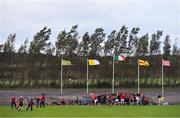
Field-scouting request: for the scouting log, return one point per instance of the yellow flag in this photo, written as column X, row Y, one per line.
column 66, row 63
column 143, row 63
column 93, row 62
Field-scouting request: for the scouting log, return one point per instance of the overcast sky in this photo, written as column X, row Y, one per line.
column 27, row 17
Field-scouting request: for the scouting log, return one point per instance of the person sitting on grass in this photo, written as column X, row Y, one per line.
column 123, row 97
column 77, row 101
column 110, row 100
column 127, row 99
column 160, row 99
column 30, row 104
column 20, row 104
column 117, row 101
column 131, row 99
column 62, row 101
column 94, row 98
column 13, row 101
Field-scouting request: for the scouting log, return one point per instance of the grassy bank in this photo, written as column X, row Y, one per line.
column 94, row 111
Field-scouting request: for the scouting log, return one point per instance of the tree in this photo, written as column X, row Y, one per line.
column 67, row 42
column 110, row 43
column 96, row 40
column 142, row 48
column 23, row 48
column 175, row 50
column 49, row 50
column 121, row 40
column 72, row 41
column 8, row 47
column 167, row 46
column 155, row 43
column 39, row 43
column 133, row 39
column 83, row 48
column 61, row 43
column 1, row 46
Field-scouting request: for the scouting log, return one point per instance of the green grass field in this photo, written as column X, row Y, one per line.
column 94, row 111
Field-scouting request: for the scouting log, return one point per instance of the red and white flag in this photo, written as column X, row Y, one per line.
column 166, row 63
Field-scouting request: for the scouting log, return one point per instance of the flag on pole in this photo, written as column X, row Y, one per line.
column 166, row 63
column 66, row 63
column 119, row 58
column 90, row 62
column 143, row 63
column 116, row 58
column 63, row 63
column 93, row 62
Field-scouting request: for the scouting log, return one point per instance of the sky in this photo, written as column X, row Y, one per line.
column 27, row 17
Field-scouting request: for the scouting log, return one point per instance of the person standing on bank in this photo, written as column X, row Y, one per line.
column 30, row 104
column 13, row 101
column 42, row 101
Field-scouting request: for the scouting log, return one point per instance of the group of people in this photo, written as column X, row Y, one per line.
column 110, row 99
column 18, row 104
column 121, row 99
column 94, row 99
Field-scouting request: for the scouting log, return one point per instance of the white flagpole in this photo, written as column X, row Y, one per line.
column 61, row 73
column 113, row 76
column 138, row 75
column 87, row 78
column 162, row 77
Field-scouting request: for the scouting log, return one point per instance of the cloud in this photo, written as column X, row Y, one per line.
column 26, row 17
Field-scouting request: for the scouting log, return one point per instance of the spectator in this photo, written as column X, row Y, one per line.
column 160, row 99
column 94, row 98
column 131, row 99
column 95, row 101
column 109, row 100
column 123, row 96
column 62, row 101
column 137, row 99
column 143, row 99
column 117, row 101
column 127, row 99
column 77, row 101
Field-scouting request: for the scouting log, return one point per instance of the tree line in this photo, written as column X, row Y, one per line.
column 69, row 43
column 36, row 63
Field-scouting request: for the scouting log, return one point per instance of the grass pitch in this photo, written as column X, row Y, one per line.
column 94, row 111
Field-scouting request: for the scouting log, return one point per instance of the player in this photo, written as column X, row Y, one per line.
column 37, row 101
column 13, row 101
column 30, row 104
column 20, row 104
column 42, row 101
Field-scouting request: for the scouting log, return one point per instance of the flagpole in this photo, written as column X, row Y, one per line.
column 138, row 75
column 162, row 77
column 61, row 73
column 87, row 78
column 113, row 76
